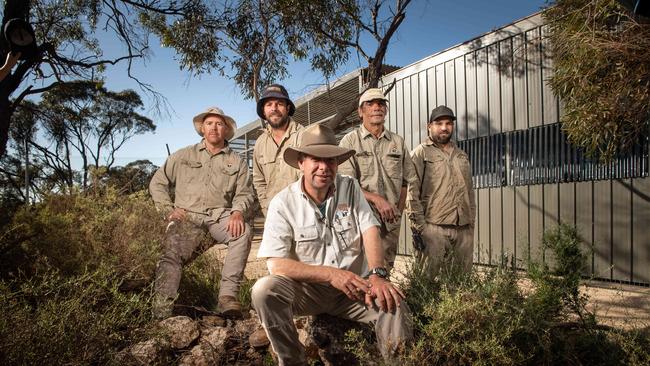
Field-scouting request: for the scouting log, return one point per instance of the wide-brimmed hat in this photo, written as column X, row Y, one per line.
column 372, row 94
column 318, row 141
column 198, row 121
column 441, row 111
column 274, row 91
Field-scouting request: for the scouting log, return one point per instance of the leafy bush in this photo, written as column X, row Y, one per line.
column 601, row 58
column 76, row 277
column 81, row 319
column 490, row 318
column 75, row 233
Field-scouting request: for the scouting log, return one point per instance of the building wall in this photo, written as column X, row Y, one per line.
column 527, row 178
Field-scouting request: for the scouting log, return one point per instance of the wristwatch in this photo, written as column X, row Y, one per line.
column 379, row 271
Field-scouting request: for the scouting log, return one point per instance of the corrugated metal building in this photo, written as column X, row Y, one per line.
column 527, row 177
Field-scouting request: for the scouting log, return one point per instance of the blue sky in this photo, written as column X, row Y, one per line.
column 429, row 27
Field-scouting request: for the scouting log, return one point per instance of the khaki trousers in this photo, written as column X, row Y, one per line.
column 389, row 241
column 278, row 299
column 182, row 245
column 448, row 245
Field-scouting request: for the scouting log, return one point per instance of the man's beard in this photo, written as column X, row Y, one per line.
column 442, row 140
column 279, row 124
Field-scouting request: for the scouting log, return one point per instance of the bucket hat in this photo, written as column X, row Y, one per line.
column 319, row 141
column 372, row 94
column 441, row 111
column 274, row 91
column 198, row 121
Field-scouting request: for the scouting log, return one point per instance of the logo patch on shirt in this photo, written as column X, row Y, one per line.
column 342, row 210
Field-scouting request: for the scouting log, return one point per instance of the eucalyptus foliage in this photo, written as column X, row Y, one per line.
column 601, row 54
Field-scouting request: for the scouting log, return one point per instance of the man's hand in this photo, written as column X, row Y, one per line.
column 388, row 296
column 178, row 214
column 352, row 285
column 236, row 224
column 418, row 242
column 387, row 210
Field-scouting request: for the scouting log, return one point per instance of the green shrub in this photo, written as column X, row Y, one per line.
column 82, row 319
column 490, row 318
column 73, row 233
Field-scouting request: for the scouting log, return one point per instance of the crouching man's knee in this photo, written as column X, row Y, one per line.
column 271, row 292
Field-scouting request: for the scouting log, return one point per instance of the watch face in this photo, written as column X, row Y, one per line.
column 381, row 272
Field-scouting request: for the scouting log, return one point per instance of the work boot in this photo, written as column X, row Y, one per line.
column 162, row 307
column 258, row 338
column 229, row 306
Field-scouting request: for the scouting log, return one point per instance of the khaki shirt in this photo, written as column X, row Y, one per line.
column 206, row 185
column 443, row 194
column 271, row 173
column 296, row 229
column 382, row 165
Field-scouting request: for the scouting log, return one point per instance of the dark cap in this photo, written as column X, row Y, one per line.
column 274, row 91
column 441, row 111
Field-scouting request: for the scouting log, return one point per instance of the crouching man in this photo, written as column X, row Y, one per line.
column 320, row 237
column 212, row 193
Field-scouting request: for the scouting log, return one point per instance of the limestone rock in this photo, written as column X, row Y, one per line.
column 181, row 330
column 210, row 350
column 149, row 352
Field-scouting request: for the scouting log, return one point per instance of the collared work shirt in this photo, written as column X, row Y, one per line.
column 271, row 173
column 206, row 185
column 443, row 193
column 382, row 165
column 296, row 229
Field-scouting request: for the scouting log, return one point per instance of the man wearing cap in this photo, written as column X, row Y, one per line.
column 382, row 165
column 212, row 193
column 270, row 172
column 441, row 203
column 320, row 237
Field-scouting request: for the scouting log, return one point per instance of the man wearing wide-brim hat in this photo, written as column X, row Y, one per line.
column 213, row 193
column 271, row 173
column 320, row 238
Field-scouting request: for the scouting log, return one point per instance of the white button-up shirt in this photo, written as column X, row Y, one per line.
column 296, row 229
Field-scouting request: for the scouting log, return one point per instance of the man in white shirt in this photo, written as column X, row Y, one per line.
column 320, row 237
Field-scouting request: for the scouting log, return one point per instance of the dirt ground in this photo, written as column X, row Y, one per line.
column 617, row 305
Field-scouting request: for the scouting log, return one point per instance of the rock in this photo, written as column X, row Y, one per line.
column 216, row 338
column 149, row 352
column 303, row 327
column 328, row 333
column 180, row 330
column 212, row 321
column 210, row 350
column 244, row 328
column 197, row 357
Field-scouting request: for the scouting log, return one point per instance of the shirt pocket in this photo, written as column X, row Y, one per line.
column 229, row 173
column 191, row 170
column 347, row 233
column 364, row 161
column 393, row 165
column 308, row 245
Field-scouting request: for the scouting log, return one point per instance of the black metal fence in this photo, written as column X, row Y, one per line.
column 543, row 155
